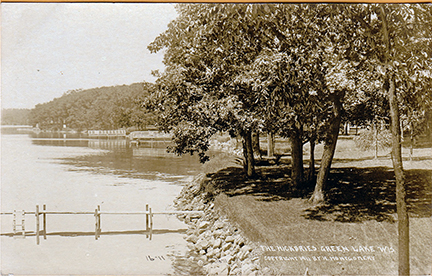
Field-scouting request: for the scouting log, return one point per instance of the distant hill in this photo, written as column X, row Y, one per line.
column 15, row 116
column 103, row 108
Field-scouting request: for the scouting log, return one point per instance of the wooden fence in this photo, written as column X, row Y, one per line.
column 41, row 219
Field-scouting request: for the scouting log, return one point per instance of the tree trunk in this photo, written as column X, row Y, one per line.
column 311, row 176
column 256, row 144
column 270, row 144
column 402, row 132
column 297, row 159
column 329, row 149
column 376, row 139
column 411, row 142
column 249, row 161
column 403, row 219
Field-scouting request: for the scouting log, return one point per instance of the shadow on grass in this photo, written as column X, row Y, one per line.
column 359, row 194
column 353, row 194
column 270, row 183
column 349, row 160
column 386, row 157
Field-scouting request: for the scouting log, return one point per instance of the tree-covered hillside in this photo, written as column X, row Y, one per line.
column 15, row 116
column 97, row 108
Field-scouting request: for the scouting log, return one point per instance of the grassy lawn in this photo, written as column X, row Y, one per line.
column 354, row 232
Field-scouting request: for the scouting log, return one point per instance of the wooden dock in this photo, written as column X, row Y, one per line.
column 107, row 133
column 41, row 219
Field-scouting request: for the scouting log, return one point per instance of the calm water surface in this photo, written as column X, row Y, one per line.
column 78, row 175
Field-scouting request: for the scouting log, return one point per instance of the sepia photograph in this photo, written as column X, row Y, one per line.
column 216, row 139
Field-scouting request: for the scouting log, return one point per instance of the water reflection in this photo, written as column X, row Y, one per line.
column 57, row 135
column 146, row 163
column 149, row 160
column 77, row 173
column 104, row 233
column 108, row 143
column 153, row 152
column 61, row 142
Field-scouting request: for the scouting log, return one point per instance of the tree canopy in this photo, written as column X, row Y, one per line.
column 294, row 70
column 98, row 108
column 15, row 116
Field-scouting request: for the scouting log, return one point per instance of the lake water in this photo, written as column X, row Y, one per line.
column 79, row 175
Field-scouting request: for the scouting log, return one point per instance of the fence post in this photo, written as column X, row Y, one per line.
column 147, row 219
column 151, row 222
column 23, row 224
column 44, row 221
column 37, row 224
column 14, row 221
column 99, row 222
column 96, row 224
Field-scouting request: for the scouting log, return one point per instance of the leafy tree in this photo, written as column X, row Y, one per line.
column 399, row 42
column 289, row 69
column 405, row 32
column 214, row 50
column 376, row 138
column 287, row 88
column 304, row 75
column 207, row 47
column 370, row 109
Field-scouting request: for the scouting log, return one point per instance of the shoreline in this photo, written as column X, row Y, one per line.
column 214, row 242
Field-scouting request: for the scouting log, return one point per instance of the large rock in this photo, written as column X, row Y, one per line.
column 217, row 243
column 203, row 224
column 242, row 255
column 204, row 258
column 192, row 238
column 228, row 259
column 190, row 231
column 219, row 233
column 246, row 248
column 218, row 225
column 210, row 253
column 227, row 246
column 229, row 239
column 193, row 216
column 200, row 231
column 202, row 244
column 217, row 252
column 194, row 189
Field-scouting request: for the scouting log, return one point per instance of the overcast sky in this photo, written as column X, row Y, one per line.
column 48, row 49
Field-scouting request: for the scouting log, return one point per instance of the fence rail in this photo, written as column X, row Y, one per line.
column 97, row 214
column 108, row 213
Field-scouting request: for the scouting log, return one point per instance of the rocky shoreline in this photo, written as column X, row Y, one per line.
column 214, row 243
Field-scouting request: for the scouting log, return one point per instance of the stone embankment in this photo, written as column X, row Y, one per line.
column 215, row 243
